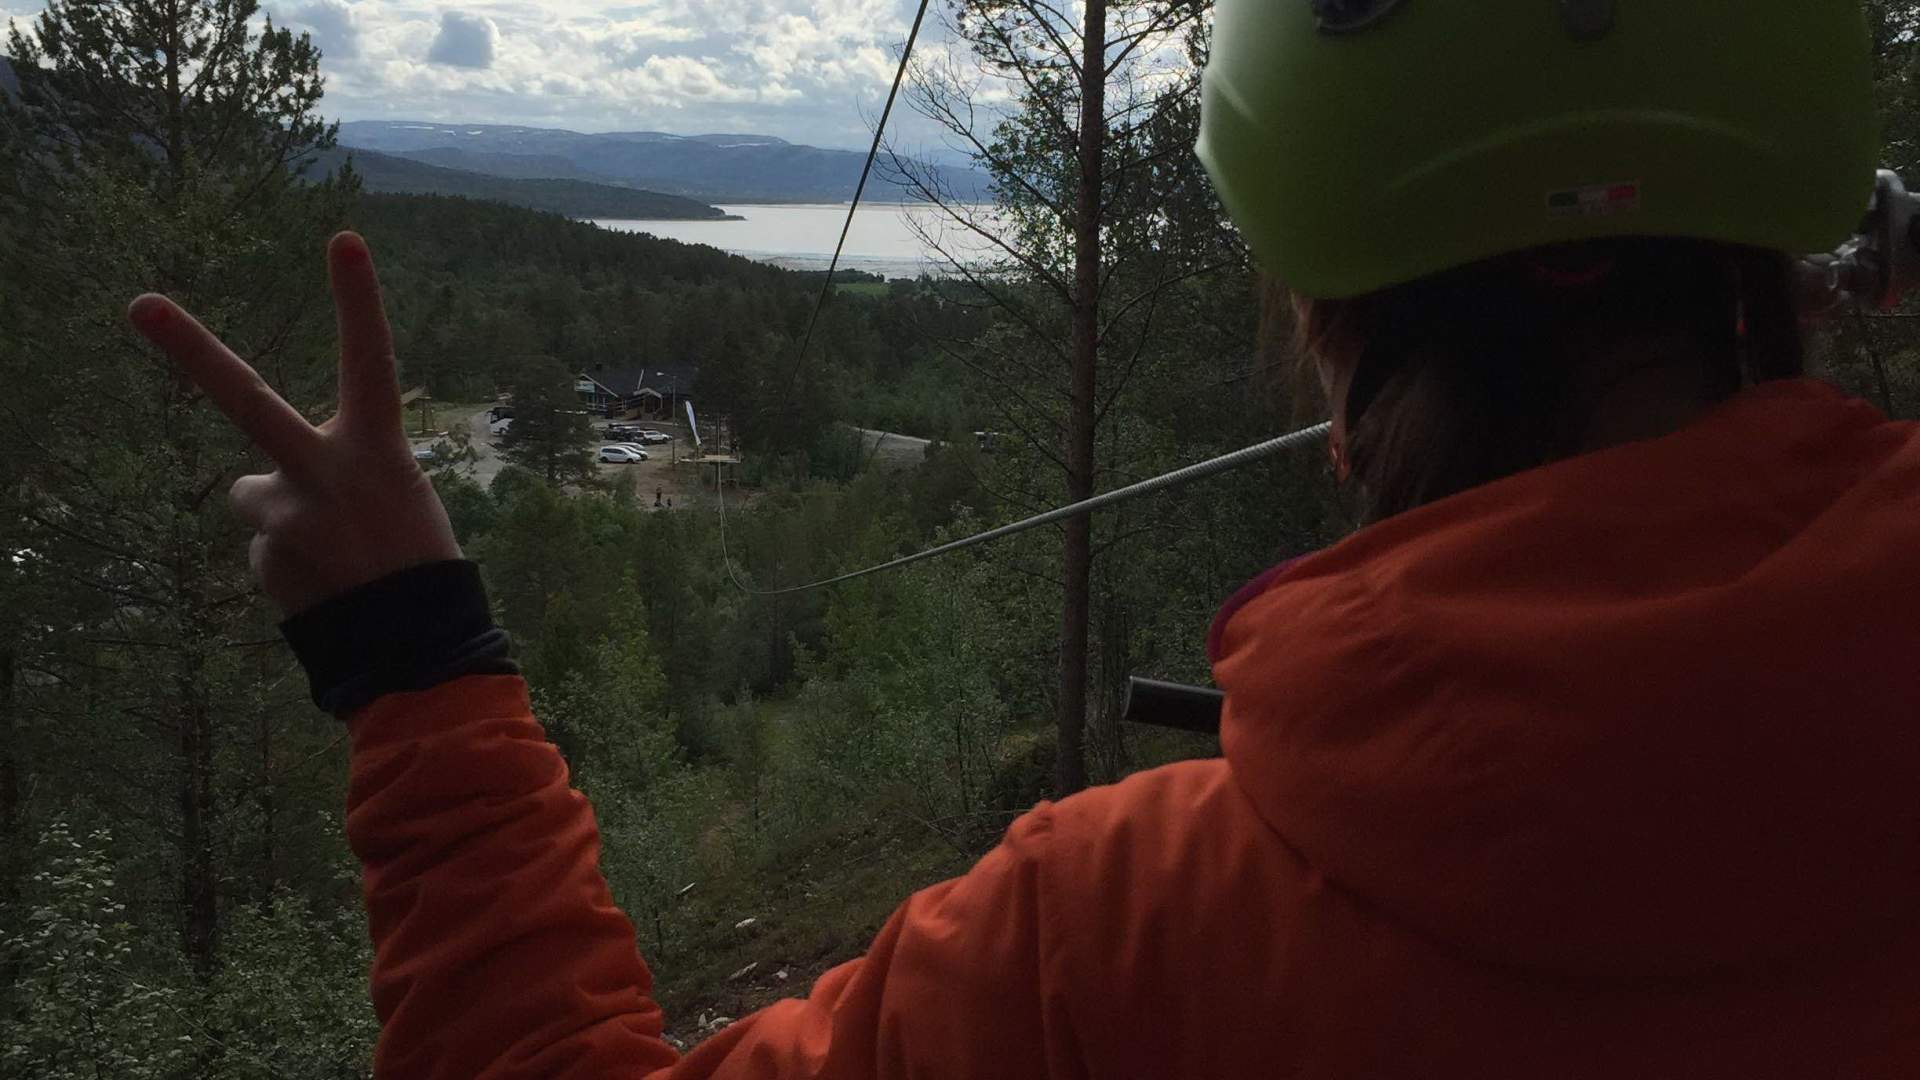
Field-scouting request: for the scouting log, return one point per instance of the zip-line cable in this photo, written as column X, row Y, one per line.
column 1177, row 478
column 1173, row 479
column 873, row 152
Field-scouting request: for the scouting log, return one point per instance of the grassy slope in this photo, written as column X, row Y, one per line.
column 813, row 910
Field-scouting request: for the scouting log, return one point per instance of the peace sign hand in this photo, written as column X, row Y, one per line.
column 348, row 504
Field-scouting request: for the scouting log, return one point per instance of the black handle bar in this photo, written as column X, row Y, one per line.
column 1171, row 705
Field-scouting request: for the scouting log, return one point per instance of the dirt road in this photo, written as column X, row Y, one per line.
column 889, row 448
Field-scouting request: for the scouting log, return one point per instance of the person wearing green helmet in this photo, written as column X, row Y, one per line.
column 1592, row 756
column 1508, row 183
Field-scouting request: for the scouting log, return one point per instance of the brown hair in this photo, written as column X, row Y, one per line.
column 1468, row 376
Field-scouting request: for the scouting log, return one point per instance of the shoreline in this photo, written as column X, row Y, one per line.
column 889, row 251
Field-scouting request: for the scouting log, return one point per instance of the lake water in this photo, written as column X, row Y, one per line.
column 883, row 239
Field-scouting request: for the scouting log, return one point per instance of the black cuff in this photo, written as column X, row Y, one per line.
column 411, row 630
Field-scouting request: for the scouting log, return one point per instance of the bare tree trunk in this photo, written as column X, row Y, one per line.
column 268, row 874
column 1070, row 764
column 198, row 895
column 192, row 704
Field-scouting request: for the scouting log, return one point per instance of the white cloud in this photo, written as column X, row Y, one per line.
column 17, row 16
column 812, row 71
column 334, row 24
column 630, row 42
column 466, row 41
column 673, row 81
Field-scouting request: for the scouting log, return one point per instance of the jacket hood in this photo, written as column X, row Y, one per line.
column 1647, row 712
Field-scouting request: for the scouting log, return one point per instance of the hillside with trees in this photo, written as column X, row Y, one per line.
column 477, row 288
column 571, row 197
column 772, row 773
column 712, row 168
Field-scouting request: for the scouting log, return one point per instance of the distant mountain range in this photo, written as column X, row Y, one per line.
column 553, row 186
column 574, row 198
column 710, row 168
column 628, row 174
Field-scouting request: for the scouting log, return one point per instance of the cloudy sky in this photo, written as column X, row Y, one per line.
column 813, row 71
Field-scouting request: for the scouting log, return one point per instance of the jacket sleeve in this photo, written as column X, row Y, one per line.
column 498, row 951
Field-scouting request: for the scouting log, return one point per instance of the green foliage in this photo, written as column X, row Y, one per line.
column 609, row 715
column 471, row 509
column 156, row 147
column 465, row 314
column 1895, row 25
column 511, row 482
column 76, row 1009
column 551, row 434
column 153, row 147
column 608, row 712
column 574, row 198
column 289, row 1002
column 905, row 701
column 929, row 399
column 838, row 453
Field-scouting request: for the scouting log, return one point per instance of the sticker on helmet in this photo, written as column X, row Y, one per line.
column 1595, row 200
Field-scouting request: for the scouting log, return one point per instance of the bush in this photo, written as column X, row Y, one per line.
column 288, row 1002
column 76, row 1009
column 290, row 999
column 472, row 511
column 511, row 481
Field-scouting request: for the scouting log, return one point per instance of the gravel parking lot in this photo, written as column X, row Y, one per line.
column 656, row 474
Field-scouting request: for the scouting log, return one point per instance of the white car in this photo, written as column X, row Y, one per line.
column 622, row 455
column 636, row 448
column 501, row 426
column 650, row 436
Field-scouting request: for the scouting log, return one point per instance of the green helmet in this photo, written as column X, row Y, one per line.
column 1364, row 143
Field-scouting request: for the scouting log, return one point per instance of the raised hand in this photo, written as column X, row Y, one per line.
column 347, row 504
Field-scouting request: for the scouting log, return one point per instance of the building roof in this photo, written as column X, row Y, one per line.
column 619, row 382
column 627, row 381
column 670, row 380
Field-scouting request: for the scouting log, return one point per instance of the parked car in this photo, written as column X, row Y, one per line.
column 622, row 455
column 622, row 431
column 636, row 448
column 650, row 436
column 423, row 453
column 501, row 426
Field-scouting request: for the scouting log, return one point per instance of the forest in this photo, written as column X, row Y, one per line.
column 772, row 774
column 572, row 197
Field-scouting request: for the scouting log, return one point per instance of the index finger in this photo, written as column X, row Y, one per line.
column 369, row 387
column 234, row 387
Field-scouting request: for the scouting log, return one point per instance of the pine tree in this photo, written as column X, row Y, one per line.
column 551, row 434
column 158, row 144
column 1069, row 255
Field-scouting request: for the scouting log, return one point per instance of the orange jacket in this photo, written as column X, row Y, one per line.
column 1604, row 770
